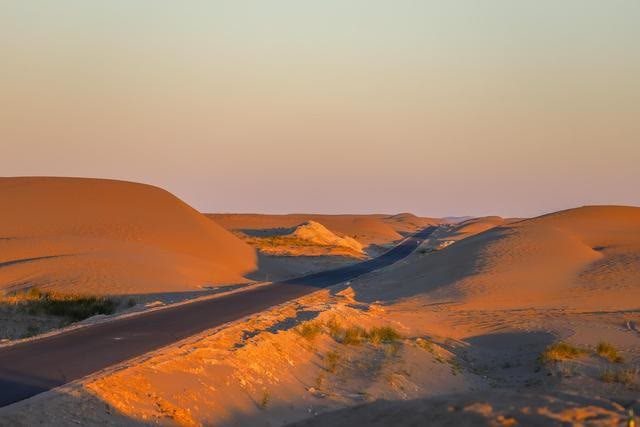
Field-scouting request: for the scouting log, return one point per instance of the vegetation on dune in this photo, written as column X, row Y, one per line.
column 70, row 306
column 331, row 360
column 352, row 335
column 355, row 335
column 264, row 400
column 609, row 352
column 626, row 376
column 278, row 241
column 383, row 334
column 309, row 330
column 561, row 351
column 425, row 344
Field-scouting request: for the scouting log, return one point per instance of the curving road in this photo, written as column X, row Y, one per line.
column 34, row 367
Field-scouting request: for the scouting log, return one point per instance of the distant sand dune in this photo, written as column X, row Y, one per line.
column 584, row 258
column 110, row 237
column 366, row 229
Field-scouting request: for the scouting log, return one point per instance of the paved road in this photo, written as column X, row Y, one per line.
column 37, row 366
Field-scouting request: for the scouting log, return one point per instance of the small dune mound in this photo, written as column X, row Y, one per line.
column 307, row 239
column 366, row 229
column 408, row 223
column 474, row 226
column 318, row 234
column 110, row 237
column 584, row 258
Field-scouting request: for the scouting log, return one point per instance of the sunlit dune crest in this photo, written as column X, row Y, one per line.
column 110, row 237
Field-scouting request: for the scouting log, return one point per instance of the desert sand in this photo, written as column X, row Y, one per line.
column 585, row 258
column 298, row 244
column 111, row 237
column 366, row 229
column 307, row 239
column 461, row 346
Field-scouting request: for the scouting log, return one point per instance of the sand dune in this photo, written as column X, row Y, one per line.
column 318, row 234
column 309, row 239
column 474, row 226
column 466, row 349
column 408, row 223
column 582, row 258
column 367, row 229
column 110, row 237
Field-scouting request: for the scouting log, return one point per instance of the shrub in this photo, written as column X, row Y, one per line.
column 426, row 345
column 331, row 360
column 626, row 376
column 73, row 307
column 264, row 401
column 384, row 334
column 609, row 352
column 354, row 335
column 309, row 330
column 335, row 330
column 561, row 351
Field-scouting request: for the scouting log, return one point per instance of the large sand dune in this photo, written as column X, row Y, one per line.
column 110, row 237
column 584, row 258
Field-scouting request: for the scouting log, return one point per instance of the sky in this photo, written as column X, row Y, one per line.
column 440, row 108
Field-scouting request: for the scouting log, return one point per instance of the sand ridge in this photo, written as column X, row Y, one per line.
column 584, row 258
column 110, row 237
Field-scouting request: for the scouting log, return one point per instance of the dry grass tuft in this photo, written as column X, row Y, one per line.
column 609, row 352
column 266, row 397
column 626, row 376
column 309, row 330
column 331, row 360
column 71, row 306
column 561, row 351
column 356, row 335
column 425, row 345
column 384, row 334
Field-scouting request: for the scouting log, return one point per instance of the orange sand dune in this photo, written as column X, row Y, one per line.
column 584, row 258
column 367, row 229
column 407, row 223
column 474, row 226
column 110, row 237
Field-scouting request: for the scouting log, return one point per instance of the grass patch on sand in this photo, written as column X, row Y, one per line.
column 264, row 401
column 309, row 330
column 331, row 360
column 561, row 351
column 71, row 306
column 609, row 352
column 383, row 334
column 356, row 335
column 626, row 376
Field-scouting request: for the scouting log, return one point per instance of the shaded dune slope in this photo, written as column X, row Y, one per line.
column 584, row 258
column 110, row 237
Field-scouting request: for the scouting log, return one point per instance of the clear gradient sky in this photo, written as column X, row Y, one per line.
column 435, row 107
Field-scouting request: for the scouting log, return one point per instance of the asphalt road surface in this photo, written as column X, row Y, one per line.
column 34, row 367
